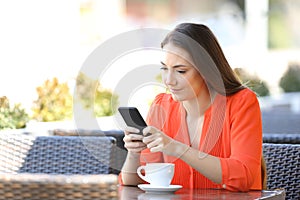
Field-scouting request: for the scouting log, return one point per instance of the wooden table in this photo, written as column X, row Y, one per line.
column 126, row 192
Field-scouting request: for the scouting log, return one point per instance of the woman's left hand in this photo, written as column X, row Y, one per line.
column 158, row 141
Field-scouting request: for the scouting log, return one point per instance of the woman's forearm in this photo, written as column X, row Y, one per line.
column 207, row 165
column 129, row 175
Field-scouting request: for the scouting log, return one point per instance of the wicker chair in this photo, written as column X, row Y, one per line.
column 55, row 154
column 281, row 138
column 45, row 186
column 283, row 168
column 118, row 134
column 119, row 151
column 55, row 167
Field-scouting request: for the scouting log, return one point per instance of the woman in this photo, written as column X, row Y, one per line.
column 209, row 125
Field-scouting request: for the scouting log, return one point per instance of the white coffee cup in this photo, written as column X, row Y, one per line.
column 157, row 174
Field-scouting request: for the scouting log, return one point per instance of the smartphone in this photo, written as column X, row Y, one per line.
column 132, row 117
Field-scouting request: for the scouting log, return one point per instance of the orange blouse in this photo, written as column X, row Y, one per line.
column 237, row 141
column 234, row 135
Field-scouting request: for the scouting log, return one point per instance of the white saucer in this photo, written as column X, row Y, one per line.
column 150, row 188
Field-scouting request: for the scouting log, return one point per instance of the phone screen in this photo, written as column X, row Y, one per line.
column 132, row 117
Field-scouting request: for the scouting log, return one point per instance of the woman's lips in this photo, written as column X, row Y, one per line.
column 175, row 90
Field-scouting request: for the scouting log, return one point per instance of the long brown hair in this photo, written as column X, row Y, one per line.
column 200, row 42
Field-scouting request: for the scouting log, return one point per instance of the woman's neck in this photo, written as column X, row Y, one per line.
column 196, row 107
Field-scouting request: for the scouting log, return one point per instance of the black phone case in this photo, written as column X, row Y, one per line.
column 132, row 117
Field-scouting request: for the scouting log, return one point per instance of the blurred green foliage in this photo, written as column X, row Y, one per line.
column 279, row 35
column 93, row 96
column 54, row 102
column 253, row 82
column 12, row 117
column 290, row 81
column 282, row 19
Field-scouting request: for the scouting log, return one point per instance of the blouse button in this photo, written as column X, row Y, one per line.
column 224, row 186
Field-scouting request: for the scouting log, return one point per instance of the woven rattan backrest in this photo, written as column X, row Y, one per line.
column 119, row 152
column 281, row 138
column 283, row 168
column 55, row 154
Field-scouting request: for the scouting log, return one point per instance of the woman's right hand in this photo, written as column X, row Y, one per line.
column 133, row 140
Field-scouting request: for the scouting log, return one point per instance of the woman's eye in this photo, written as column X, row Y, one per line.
column 163, row 68
column 181, row 71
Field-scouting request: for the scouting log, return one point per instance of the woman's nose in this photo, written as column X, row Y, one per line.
column 170, row 79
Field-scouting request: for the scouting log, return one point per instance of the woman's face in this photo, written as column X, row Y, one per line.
column 178, row 74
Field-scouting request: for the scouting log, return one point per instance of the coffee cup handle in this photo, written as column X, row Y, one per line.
column 139, row 169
